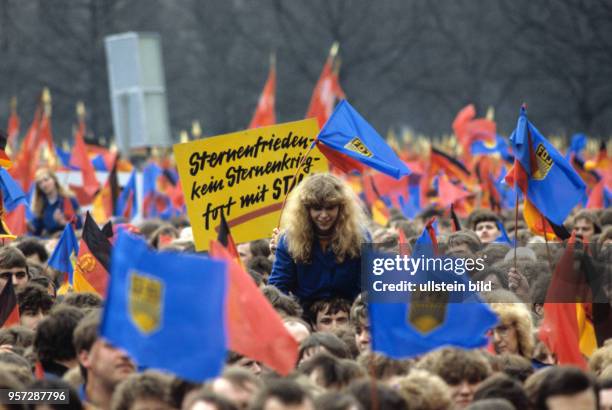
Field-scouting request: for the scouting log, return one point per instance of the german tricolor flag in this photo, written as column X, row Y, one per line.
column 91, row 272
column 9, row 308
column 224, row 237
column 5, row 161
column 104, row 203
column 451, row 166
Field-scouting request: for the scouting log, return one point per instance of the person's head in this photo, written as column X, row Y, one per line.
column 74, row 403
column 34, row 304
column 336, row 401
column 485, row 224
column 566, row 388
column 204, row 399
column 98, row 358
column 423, row 390
column 260, row 264
column 491, row 404
column 586, row 224
column 383, row 367
column 297, row 327
column 14, row 267
column 285, row 305
column 515, row 366
column 33, row 249
column 283, row 394
column 605, row 394
column 500, row 386
column 238, row 386
column 386, row 397
column 514, row 332
column 243, row 362
column 323, row 206
column 463, row 240
column 47, row 185
column 327, row 315
column 601, row 358
column 83, row 300
column 53, row 340
column 327, row 371
column 322, row 342
column 493, row 274
column 17, row 336
column 244, row 252
column 462, row 370
column 360, row 324
column 144, row 391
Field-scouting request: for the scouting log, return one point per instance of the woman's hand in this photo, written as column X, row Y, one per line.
column 59, row 217
column 274, row 240
column 517, row 282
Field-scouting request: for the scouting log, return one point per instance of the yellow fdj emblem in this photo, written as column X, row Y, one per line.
column 85, row 263
column 427, row 310
column 145, row 297
column 543, row 163
column 356, row 145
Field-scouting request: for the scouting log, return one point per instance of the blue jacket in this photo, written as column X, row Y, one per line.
column 46, row 224
column 322, row 278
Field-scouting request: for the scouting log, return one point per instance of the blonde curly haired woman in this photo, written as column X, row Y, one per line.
column 53, row 205
column 318, row 254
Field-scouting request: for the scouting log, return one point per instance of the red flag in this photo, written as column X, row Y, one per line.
column 597, row 196
column 255, row 329
column 449, row 193
column 325, row 93
column 9, row 308
column 264, row 113
column 16, row 221
column 25, row 165
column 80, row 158
column 559, row 328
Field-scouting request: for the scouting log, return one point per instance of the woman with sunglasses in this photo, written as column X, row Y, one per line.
column 318, row 254
column 53, row 205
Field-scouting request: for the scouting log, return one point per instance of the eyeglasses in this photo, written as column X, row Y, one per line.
column 8, row 275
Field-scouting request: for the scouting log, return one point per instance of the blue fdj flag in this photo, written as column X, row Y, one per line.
column 553, row 186
column 500, row 147
column 65, row 252
column 12, row 194
column 577, row 145
column 503, row 236
column 427, row 307
column 167, row 310
column 349, row 133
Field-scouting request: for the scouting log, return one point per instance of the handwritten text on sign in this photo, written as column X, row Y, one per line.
column 245, row 175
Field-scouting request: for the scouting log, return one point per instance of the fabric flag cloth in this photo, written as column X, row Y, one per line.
column 9, row 307
column 12, row 130
column 326, row 92
column 155, row 312
column 550, row 185
column 12, row 194
column 577, row 145
column 126, row 203
column 254, row 328
column 600, row 197
column 80, row 159
column 561, row 329
column 408, row 329
column 503, row 236
column 264, row 113
column 348, row 133
column 449, row 193
column 105, row 201
column 5, row 161
column 65, row 253
column 225, row 238
column 93, row 262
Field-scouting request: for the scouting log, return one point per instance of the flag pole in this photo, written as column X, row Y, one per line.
column 550, row 264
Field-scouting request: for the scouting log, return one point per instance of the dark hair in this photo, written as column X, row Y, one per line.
column 468, row 238
column 562, row 380
column 516, row 366
column 53, row 340
column 260, row 264
column 336, row 401
column 31, row 246
column 483, row 215
column 83, row 300
column 150, row 385
column 328, row 341
column 491, row 404
column 330, row 306
column 74, row 401
column 19, row 336
column 285, row 391
column 386, row 397
column 260, row 247
column 33, row 298
column 333, row 375
column 86, row 332
column 282, row 303
column 499, row 273
column 381, row 366
column 501, row 386
column 455, row 365
column 256, row 276
column 11, row 257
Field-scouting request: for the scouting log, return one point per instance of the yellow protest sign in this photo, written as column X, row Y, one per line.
column 245, row 175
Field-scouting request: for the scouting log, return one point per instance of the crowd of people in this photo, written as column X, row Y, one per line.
column 310, row 271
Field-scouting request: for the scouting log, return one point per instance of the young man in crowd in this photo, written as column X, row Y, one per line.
column 485, row 224
column 103, row 366
column 14, row 267
column 360, row 324
column 34, row 305
column 586, row 225
column 327, row 315
column 283, row 394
